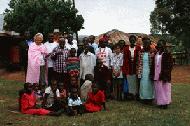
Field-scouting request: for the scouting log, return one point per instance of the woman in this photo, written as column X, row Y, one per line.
column 36, row 62
column 162, row 76
column 144, row 73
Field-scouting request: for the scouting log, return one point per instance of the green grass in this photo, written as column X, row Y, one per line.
column 130, row 113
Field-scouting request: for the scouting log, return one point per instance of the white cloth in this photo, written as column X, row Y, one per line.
column 87, row 64
column 117, row 63
column 50, row 99
column 95, row 46
column 132, row 50
column 50, row 47
column 42, row 57
column 76, row 102
column 105, row 54
column 69, row 46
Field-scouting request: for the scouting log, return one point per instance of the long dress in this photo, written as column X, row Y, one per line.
column 162, row 89
column 146, row 85
column 94, row 100
column 28, row 102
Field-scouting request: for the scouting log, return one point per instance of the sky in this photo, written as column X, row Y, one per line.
column 130, row 16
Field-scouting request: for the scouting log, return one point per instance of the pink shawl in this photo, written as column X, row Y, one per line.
column 33, row 70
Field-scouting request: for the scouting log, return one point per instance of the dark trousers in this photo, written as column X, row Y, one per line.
column 50, row 75
column 74, row 110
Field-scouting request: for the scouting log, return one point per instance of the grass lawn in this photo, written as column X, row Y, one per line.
column 130, row 113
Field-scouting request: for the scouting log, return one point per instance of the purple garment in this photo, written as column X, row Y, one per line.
column 162, row 89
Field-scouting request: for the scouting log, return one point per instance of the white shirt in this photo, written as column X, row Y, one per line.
column 50, row 99
column 50, row 47
column 87, row 64
column 69, row 46
column 76, row 102
column 105, row 54
column 132, row 50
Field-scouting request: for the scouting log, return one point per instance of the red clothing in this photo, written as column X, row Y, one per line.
column 28, row 102
column 94, row 101
column 129, row 66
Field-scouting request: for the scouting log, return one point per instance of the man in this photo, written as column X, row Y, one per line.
column 130, row 62
column 87, row 63
column 50, row 46
column 70, row 43
column 92, row 42
column 59, row 57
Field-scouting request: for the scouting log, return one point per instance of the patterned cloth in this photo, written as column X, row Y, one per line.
column 117, row 63
column 73, row 66
column 59, row 64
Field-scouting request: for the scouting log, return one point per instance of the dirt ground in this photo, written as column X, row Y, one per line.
column 180, row 74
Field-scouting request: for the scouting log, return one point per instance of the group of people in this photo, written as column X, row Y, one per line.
column 64, row 78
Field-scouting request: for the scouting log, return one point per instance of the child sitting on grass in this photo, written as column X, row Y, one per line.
column 51, row 99
column 27, row 102
column 74, row 103
column 95, row 101
column 86, row 87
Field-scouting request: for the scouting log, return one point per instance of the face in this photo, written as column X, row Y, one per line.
column 50, row 38
column 91, row 39
column 73, row 81
column 146, row 45
column 29, row 88
column 38, row 40
column 102, row 44
column 62, row 43
column 94, row 89
column 132, row 41
column 117, row 50
column 73, row 52
column 159, row 46
column 70, row 39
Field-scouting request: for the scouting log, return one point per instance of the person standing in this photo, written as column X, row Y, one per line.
column 162, row 75
column 59, row 56
column 144, row 73
column 117, row 63
column 36, row 62
column 50, row 46
column 130, row 62
column 87, row 63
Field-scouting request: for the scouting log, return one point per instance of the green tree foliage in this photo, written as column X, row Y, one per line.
column 42, row 16
column 173, row 17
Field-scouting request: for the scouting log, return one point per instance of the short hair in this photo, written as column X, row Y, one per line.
column 38, row 34
column 132, row 36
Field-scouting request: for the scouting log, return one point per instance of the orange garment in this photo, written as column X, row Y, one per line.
column 28, row 103
column 94, row 101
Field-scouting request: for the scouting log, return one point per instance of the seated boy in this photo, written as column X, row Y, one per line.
column 74, row 103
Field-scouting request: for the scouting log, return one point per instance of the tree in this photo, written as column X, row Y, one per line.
column 173, row 17
column 42, row 16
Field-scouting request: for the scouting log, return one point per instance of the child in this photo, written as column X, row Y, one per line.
column 102, row 76
column 74, row 103
column 28, row 102
column 73, row 64
column 73, row 84
column 63, row 95
column 52, row 96
column 117, row 63
column 95, row 101
column 86, row 87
